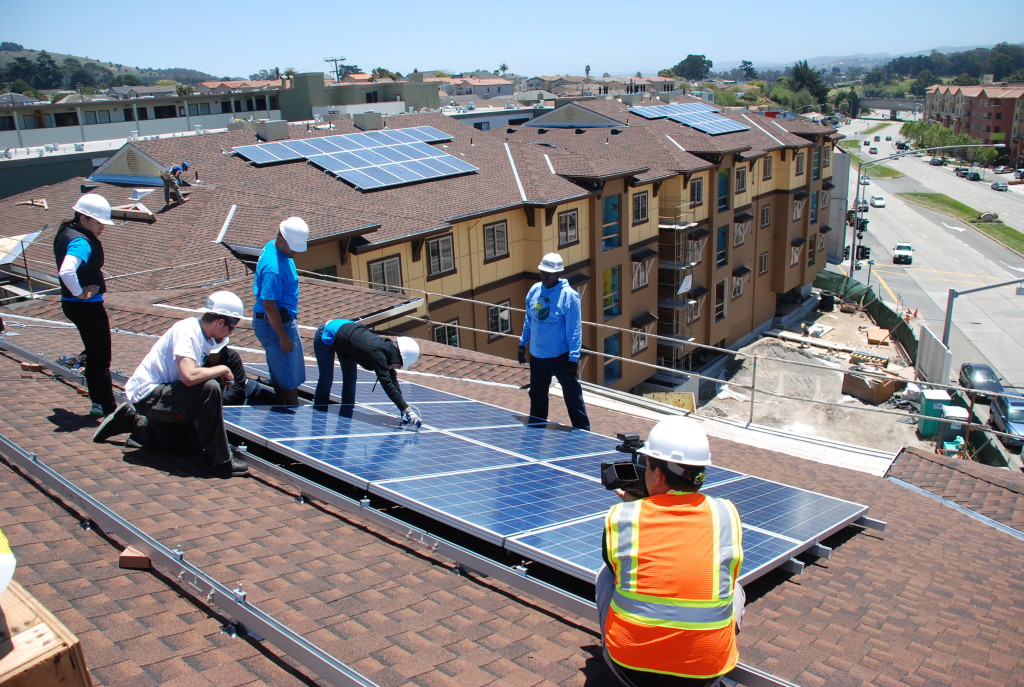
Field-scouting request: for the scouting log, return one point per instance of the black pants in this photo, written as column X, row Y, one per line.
column 183, row 419
column 94, row 328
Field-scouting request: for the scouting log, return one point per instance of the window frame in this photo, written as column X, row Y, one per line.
column 611, row 230
column 641, row 215
column 741, row 179
column 766, row 215
column 642, row 273
column 446, row 332
column 799, row 164
column 641, row 338
column 491, row 244
column 722, row 245
column 438, row 243
column 767, row 174
column 495, row 319
column 696, row 192
column 611, row 298
column 385, row 284
column 612, row 364
column 762, row 263
column 568, row 235
column 721, row 302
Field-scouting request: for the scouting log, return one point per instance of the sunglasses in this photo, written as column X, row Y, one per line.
column 231, row 324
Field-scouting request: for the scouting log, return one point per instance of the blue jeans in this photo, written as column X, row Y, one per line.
column 325, row 356
column 287, row 370
column 541, row 372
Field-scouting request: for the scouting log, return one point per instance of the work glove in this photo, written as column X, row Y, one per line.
column 411, row 419
column 572, row 368
column 521, row 356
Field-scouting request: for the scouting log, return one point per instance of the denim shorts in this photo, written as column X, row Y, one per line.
column 288, row 370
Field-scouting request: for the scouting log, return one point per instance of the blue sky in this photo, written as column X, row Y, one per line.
column 531, row 37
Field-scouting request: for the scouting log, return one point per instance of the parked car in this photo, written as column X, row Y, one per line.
column 1000, row 186
column 903, row 253
column 1007, row 415
column 873, row 150
column 973, row 176
column 981, row 377
column 878, row 201
column 1002, row 169
column 936, row 162
column 1018, row 174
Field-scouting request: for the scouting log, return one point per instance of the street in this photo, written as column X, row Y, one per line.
column 986, row 326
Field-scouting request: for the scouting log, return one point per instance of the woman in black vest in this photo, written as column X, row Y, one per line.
column 79, row 255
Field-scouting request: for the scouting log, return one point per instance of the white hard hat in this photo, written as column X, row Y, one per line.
column 295, row 232
column 219, row 346
column 224, row 303
column 410, row 351
column 552, row 262
column 95, row 206
column 678, row 440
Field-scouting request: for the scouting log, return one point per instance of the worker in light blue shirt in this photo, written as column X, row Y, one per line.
column 553, row 329
column 276, row 288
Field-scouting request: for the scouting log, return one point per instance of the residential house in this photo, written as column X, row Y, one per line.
column 990, row 114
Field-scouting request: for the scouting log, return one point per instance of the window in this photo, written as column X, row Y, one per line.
column 695, row 249
column 810, row 253
column 642, row 273
column 482, row 126
column 799, row 164
column 814, row 207
column 722, row 246
column 499, row 318
column 640, row 207
column 495, row 241
column 90, row 117
column 447, row 333
column 766, row 215
column 640, row 338
column 821, row 242
column 767, row 168
column 611, row 229
column 327, row 271
column 612, row 291
column 740, row 233
column 129, row 114
column 762, row 263
column 164, row 111
column 826, row 196
column 794, row 255
column 816, row 163
column 386, row 274
column 198, row 109
column 737, row 286
column 440, row 256
column 741, row 179
column 65, row 119
column 720, row 301
column 798, row 209
column 568, row 228
column 696, row 192
column 612, row 366
column 723, row 189
column 826, row 157
column 694, row 307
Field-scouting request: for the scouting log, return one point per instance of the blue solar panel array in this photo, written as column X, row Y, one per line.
column 533, row 490
column 694, row 115
column 368, row 160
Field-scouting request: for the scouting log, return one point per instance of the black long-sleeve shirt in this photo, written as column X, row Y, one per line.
column 372, row 352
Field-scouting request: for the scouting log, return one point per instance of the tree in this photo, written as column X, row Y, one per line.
column 503, row 68
column 586, row 70
column 290, row 71
column 166, row 82
column 606, row 75
column 747, row 67
column 8, row 46
column 922, row 82
column 21, row 86
column 966, row 80
column 185, row 89
column 667, row 73
column 693, row 68
column 126, row 80
column 807, row 79
column 20, row 68
column 379, row 73
column 266, row 75
column 639, row 75
column 48, row 74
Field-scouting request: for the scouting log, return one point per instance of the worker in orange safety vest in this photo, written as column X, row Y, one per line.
column 668, row 600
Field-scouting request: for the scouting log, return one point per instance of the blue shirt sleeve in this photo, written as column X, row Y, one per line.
column 80, row 248
column 573, row 324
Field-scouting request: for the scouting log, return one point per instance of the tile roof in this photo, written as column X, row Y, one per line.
column 933, row 600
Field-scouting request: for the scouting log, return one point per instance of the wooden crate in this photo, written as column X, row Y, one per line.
column 36, row 649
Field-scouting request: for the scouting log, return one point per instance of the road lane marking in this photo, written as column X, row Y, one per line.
column 954, row 228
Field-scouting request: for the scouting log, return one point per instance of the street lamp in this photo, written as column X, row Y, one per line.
column 859, row 196
column 953, row 293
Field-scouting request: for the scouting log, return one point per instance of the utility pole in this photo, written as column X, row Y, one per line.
column 336, row 61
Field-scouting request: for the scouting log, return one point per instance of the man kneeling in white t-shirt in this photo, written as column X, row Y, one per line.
column 171, row 388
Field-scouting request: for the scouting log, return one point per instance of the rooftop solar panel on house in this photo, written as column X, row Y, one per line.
column 709, row 122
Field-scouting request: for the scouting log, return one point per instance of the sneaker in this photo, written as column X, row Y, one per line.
column 118, row 422
column 96, row 410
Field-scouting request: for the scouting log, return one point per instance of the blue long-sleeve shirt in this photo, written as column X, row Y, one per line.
column 554, row 321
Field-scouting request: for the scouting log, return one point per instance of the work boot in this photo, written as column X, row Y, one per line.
column 118, row 422
column 232, row 467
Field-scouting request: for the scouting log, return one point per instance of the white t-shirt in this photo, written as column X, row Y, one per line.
column 185, row 339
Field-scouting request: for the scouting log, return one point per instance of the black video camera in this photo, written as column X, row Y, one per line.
column 627, row 475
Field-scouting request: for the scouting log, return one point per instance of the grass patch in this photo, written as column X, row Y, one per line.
column 875, row 171
column 943, row 203
column 852, row 145
column 872, row 129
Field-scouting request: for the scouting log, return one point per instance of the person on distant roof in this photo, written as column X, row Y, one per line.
column 172, row 180
column 171, row 389
column 276, row 288
column 79, row 256
column 668, row 600
column 553, row 329
column 354, row 344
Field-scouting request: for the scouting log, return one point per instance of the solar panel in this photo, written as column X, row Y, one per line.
column 371, row 159
column 709, row 122
column 500, row 502
column 533, row 489
column 669, row 109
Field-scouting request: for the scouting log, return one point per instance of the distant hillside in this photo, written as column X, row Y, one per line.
column 71, row 71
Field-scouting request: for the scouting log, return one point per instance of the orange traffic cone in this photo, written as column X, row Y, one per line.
column 915, row 312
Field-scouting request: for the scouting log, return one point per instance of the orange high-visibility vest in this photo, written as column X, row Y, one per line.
column 675, row 557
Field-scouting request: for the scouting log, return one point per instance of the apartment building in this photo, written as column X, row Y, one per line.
column 991, row 114
column 664, row 228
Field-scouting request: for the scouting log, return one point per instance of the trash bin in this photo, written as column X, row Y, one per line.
column 950, row 431
column 932, row 402
column 827, row 301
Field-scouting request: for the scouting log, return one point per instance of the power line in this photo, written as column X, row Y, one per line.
column 336, row 61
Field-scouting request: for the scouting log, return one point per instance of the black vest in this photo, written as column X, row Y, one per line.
column 89, row 272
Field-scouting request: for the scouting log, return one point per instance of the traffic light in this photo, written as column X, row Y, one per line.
column 846, row 253
column 863, row 252
column 867, row 252
column 851, row 216
column 862, row 224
